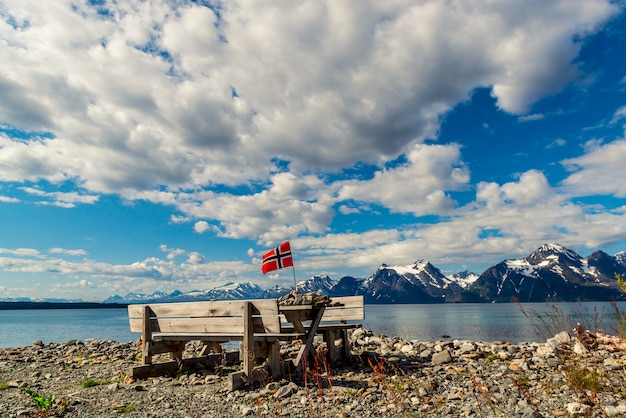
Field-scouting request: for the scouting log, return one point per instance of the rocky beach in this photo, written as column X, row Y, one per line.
column 571, row 375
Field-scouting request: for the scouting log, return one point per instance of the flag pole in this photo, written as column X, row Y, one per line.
column 294, row 277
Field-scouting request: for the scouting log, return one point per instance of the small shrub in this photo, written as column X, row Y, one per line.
column 621, row 282
column 43, row 402
column 584, row 379
column 122, row 409
column 87, row 383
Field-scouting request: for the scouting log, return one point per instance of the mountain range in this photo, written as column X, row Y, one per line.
column 552, row 273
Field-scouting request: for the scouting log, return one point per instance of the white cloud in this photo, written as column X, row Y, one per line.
column 559, row 142
column 201, row 227
column 619, row 115
column 64, row 251
column 63, row 199
column 164, row 102
column 531, row 117
column 418, row 186
column 598, row 172
column 7, row 199
column 196, row 258
column 144, row 97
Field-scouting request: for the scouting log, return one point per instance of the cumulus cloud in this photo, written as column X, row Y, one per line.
column 172, row 94
column 244, row 118
column 201, row 227
column 600, row 171
column 418, row 185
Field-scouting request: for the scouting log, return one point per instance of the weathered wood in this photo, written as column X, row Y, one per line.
column 166, row 327
column 274, row 359
column 171, row 367
column 307, row 348
column 248, row 341
column 201, row 317
column 146, row 333
column 236, row 380
column 349, row 308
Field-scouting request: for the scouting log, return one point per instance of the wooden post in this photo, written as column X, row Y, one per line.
column 248, row 341
column 146, row 336
column 273, row 359
column 308, row 348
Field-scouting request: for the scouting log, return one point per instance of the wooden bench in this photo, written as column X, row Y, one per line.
column 258, row 324
column 167, row 327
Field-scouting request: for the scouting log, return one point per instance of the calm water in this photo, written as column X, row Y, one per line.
column 484, row 322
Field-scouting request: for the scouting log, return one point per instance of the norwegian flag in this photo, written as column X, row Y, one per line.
column 277, row 258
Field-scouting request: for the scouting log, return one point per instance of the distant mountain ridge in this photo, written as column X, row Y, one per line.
column 550, row 273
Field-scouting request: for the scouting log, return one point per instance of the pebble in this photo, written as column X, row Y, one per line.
column 386, row 377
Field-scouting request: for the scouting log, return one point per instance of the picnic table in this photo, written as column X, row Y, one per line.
column 259, row 325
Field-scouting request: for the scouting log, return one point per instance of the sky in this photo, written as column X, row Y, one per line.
column 167, row 144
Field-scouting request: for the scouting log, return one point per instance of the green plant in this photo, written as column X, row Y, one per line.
column 4, row 385
column 43, row 402
column 585, row 380
column 621, row 282
column 87, row 383
column 125, row 408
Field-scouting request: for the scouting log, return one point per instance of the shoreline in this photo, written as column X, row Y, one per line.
column 386, row 376
column 7, row 306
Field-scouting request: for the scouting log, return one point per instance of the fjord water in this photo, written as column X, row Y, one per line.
column 479, row 322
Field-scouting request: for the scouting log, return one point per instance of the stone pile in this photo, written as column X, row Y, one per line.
column 310, row 298
column 563, row 377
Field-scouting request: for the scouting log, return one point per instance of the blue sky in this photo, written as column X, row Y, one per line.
column 167, row 145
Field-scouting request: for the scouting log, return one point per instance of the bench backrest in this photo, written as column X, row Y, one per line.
column 344, row 308
column 214, row 317
column 350, row 308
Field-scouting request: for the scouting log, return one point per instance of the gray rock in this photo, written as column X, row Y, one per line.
column 441, row 357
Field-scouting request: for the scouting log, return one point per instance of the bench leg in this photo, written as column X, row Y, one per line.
column 334, row 353
column 248, row 341
column 146, row 357
column 345, row 342
column 274, row 360
column 177, row 355
column 146, row 336
column 214, row 346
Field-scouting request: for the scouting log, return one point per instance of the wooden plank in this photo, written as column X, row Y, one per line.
column 351, row 308
column 208, row 324
column 199, row 325
column 191, row 309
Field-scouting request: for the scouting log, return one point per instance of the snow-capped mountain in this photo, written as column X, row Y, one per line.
column 322, row 283
column 228, row 291
column 550, row 273
column 420, row 282
column 464, row 278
